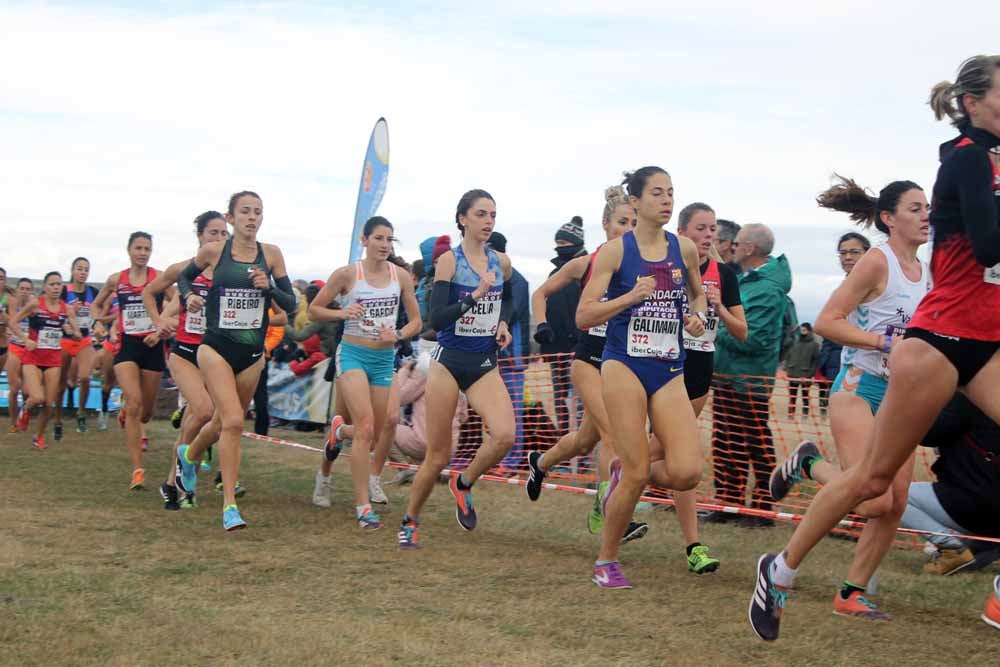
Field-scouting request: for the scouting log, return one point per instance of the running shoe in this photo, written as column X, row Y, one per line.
column 535, row 476
column 700, row 562
column 321, row 491
column 614, row 478
column 205, row 466
column 767, row 602
column 991, row 611
column 138, row 480
column 13, row 429
column 23, row 418
column 57, row 430
column 145, row 444
column 231, row 519
column 175, row 418
column 239, row 491
column 369, row 521
column 38, row 442
column 102, row 421
column 788, row 474
column 169, row 494
column 408, row 535
column 464, row 510
column 331, row 449
column 610, row 575
column 595, row 520
column 189, row 501
column 858, row 606
column 187, row 473
column 634, row 531
column 949, row 561
column 376, row 493
column 81, row 423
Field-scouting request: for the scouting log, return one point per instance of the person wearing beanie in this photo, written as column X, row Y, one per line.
column 441, row 245
column 560, row 334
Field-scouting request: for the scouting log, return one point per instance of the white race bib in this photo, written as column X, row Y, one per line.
column 379, row 312
column 482, row 319
column 706, row 341
column 653, row 337
column 241, row 309
column 50, row 339
column 136, row 320
column 991, row 274
column 194, row 323
column 83, row 319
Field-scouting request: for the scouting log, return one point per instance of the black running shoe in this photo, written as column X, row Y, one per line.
column 635, row 531
column 535, row 476
column 169, row 495
column 81, row 423
column 790, row 473
column 57, row 431
column 767, row 602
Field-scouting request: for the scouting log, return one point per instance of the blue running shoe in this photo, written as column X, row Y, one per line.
column 409, row 535
column 767, row 602
column 369, row 521
column 187, row 472
column 231, row 519
column 205, row 466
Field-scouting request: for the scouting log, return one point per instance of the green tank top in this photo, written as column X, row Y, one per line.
column 236, row 310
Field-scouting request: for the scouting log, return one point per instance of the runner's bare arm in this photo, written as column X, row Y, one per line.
column 860, row 286
column 571, row 271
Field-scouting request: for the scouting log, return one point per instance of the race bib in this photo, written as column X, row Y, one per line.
column 194, row 323
column 483, row 318
column 379, row 312
column 706, row 341
column 653, row 337
column 241, row 308
column 83, row 319
column 137, row 320
column 991, row 274
column 50, row 339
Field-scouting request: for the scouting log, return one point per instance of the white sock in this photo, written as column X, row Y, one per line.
column 361, row 509
column 781, row 574
column 322, row 476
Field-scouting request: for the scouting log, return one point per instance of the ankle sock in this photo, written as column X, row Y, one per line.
column 362, row 509
column 808, row 463
column 605, row 562
column 781, row 574
column 691, row 547
column 462, row 484
column 848, row 588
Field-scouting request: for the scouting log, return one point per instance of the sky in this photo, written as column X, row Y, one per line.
column 118, row 116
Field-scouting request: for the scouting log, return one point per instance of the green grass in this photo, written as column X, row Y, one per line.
column 93, row 574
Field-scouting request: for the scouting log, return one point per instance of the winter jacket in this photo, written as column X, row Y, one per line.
column 829, row 359
column 763, row 292
column 803, row 358
column 520, row 323
column 328, row 332
column 560, row 314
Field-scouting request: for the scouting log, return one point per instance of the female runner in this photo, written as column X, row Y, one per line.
column 6, row 296
column 17, row 336
column 78, row 355
column 104, row 344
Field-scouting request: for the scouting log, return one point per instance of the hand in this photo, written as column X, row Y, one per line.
column 167, row 327
column 387, row 334
column 503, row 336
column 714, row 295
column 644, row 287
column 544, row 335
column 693, row 325
column 352, row 312
column 75, row 307
column 195, row 303
column 484, row 286
column 151, row 340
column 30, row 345
column 259, row 279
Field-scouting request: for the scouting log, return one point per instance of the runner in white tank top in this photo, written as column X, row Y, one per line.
column 867, row 314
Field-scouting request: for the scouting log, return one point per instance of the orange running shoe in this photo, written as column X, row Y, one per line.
column 331, row 448
column 991, row 612
column 138, row 480
column 859, row 606
column 22, row 419
column 38, row 442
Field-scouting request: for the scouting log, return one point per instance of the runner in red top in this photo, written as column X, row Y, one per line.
column 78, row 355
column 951, row 341
column 188, row 329
column 139, row 360
column 48, row 317
column 16, row 338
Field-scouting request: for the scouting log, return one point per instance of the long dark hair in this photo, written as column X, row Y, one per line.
column 863, row 207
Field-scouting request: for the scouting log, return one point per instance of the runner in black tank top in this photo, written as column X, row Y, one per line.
column 618, row 218
column 246, row 276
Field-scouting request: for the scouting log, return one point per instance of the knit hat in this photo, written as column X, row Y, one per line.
column 572, row 231
column 441, row 246
column 498, row 242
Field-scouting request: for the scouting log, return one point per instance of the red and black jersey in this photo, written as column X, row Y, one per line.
column 133, row 320
column 965, row 265
column 191, row 326
column 45, row 328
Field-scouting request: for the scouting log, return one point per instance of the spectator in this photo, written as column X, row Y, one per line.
column 327, row 333
column 512, row 362
column 431, row 249
column 801, row 366
column 850, row 248
column 727, row 234
column 966, row 496
column 313, row 356
column 559, row 335
column 277, row 319
column 741, row 437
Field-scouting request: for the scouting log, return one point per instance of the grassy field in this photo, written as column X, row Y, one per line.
column 93, row 574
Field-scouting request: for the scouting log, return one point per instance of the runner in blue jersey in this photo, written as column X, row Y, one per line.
column 646, row 274
column 470, row 310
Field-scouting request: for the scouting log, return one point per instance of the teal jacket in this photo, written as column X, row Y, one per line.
column 764, row 293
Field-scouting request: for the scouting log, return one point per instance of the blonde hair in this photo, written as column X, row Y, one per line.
column 613, row 198
column 975, row 77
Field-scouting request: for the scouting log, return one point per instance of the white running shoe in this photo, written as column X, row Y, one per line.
column 321, row 494
column 102, row 421
column 375, row 492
